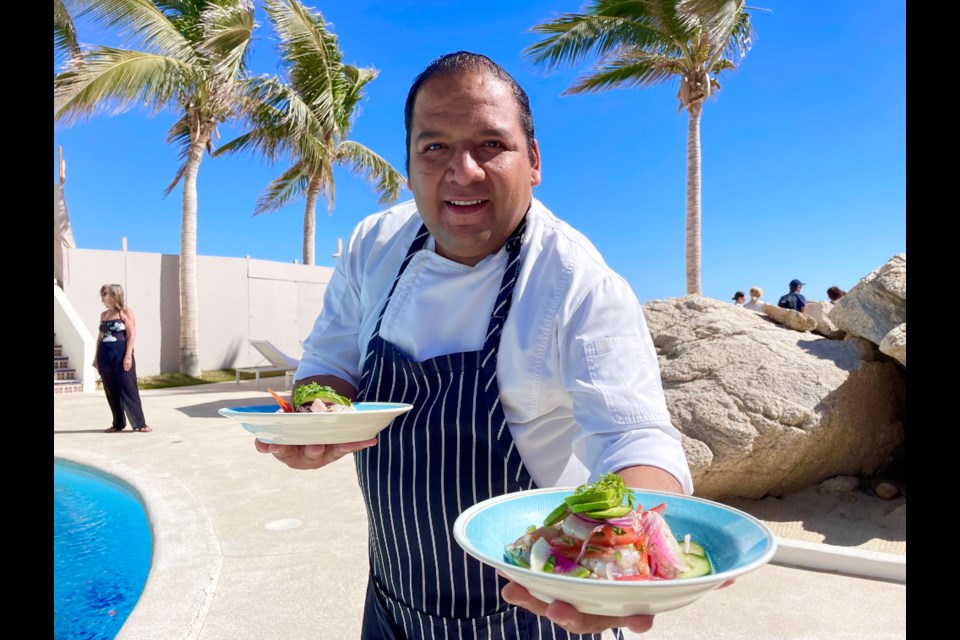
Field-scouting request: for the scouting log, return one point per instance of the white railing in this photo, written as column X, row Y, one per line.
column 73, row 336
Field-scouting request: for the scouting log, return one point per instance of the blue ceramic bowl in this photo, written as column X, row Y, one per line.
column 735, row 542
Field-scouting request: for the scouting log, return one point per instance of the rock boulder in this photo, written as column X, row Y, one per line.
column 766, row 411
column 820, row 312
column 877, row 306
column 789, row 318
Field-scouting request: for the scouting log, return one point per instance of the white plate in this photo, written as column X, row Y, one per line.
column 331, row 427
column 735, row 542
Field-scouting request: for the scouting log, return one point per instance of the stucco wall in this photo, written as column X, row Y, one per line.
column 240, row 299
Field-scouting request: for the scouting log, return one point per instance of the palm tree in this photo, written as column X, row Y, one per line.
column 642, row 43
column 307, row 120
column 189, row 57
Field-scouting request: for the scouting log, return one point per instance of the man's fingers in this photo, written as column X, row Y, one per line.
column 311, row 456
column 638, row 624
column 517, row 595
column 566, row 616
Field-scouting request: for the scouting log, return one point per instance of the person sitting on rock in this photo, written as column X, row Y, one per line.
column 835, row 293
column 793, row 300
column 739, row 298
column 754, row 305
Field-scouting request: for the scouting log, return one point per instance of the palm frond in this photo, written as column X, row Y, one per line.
column 312, row 55
column 377, row 172
column 282, row 190
column 141, row 24
column 278, row 122
column 64, row 32
column 113, row 80
column 351, row 93
column 227, row 32
column 628, row 69
column 573, row 38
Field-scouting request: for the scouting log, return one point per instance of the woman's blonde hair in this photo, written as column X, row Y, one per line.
column 755, row 293
column 116, row 291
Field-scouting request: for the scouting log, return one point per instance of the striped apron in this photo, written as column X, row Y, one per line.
column 451, row 451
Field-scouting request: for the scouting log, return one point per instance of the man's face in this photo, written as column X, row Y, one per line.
column 470, row 171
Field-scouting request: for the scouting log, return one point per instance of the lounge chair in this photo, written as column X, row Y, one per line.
column 279, row 361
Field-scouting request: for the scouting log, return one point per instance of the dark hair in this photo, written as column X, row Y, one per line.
column 739, row 294
column 835, row 293
column 466, row 61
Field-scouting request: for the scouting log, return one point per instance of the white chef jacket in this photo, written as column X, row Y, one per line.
column 577, row 370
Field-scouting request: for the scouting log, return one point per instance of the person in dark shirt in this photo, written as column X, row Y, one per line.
column 793, row 300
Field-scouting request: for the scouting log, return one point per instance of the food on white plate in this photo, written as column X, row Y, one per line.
column 598, row 533
column 314, row 398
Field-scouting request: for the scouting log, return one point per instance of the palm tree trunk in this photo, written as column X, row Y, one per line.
column 693, row 198
column 310, row 220
column 189, row 300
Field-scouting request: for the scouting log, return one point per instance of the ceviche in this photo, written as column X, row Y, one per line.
column 313, row 398
column 598, row 533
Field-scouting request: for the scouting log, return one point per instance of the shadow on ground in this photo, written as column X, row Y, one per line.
column 210, row 409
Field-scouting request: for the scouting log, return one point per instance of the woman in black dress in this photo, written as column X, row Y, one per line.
column 114, row 360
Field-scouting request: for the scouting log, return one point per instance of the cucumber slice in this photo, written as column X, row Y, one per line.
column 699, row 566
column 695, row 548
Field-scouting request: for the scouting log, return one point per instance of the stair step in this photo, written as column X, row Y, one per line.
column 67, row 386
column 57, row 350
column 63, row 374
column 61, row 362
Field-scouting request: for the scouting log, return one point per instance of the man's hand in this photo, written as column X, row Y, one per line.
column 311, row 456
column 565, row 616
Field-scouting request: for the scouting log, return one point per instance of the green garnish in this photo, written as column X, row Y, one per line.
column 313, row 391
column 602, row 500
column 608, row 482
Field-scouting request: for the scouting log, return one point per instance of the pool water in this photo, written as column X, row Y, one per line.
column 102, row 549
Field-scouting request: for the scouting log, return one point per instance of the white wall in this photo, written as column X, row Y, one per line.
column 240, row 299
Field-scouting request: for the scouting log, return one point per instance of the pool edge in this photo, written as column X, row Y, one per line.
column 186, row 560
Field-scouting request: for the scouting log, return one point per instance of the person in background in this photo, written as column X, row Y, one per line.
column 835, row 293
column 115, row 362
column 794, row 299
column 555, row 382
column 754, row 305
column 739, row 298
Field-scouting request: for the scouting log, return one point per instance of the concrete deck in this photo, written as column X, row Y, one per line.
column 246, row 548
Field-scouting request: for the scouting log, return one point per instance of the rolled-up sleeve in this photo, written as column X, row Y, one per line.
column 610, row 368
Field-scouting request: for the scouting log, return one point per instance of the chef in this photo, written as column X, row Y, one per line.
column 527, row 360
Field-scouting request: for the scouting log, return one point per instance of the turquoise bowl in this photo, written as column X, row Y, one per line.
column 736, row 543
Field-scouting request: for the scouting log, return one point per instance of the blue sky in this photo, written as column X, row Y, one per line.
column 804, row 150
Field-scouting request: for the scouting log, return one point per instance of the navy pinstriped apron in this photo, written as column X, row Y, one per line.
column 452, row 450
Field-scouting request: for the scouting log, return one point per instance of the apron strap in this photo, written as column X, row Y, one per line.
column 505, row 297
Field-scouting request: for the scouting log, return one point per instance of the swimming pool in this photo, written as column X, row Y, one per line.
column 102, row 549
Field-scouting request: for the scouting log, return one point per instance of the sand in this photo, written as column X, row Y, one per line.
column 846, row 518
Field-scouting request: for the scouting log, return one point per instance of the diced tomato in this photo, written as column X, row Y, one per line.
column 641, row 546
column 608, row 535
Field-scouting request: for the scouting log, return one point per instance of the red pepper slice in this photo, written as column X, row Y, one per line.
column 286, row 406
